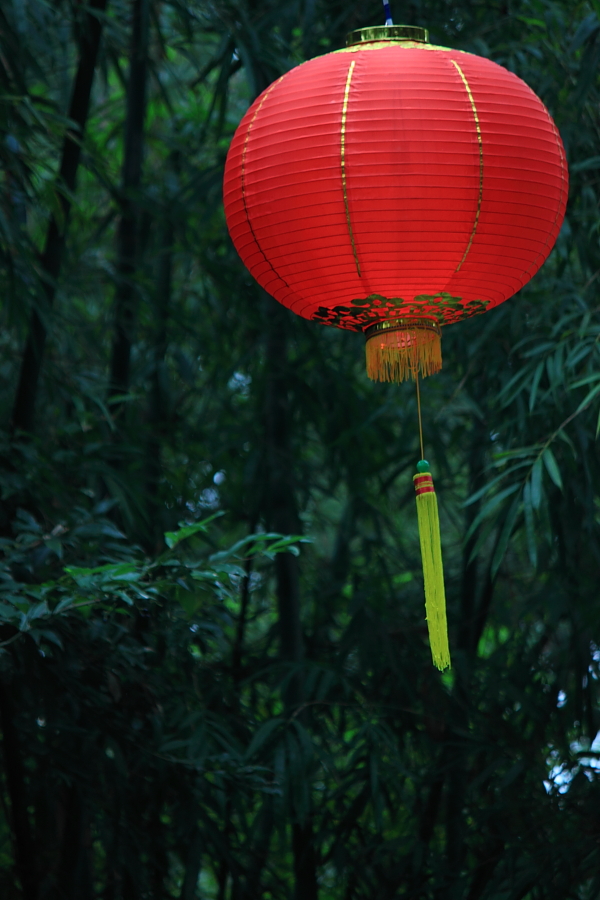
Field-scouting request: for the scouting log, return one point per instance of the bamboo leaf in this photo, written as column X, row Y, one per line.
column 587, row 380
column 534, row 386
column 552, row 467
column 486, row 488
column 536, row 484
column 588, row 398
column 587, row 28
column 505, row 535
column 490, row 506
column 261, row 737
column 172, row 538
column 529, row 525
column 484, row 533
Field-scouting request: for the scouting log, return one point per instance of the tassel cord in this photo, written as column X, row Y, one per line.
column 419, row 413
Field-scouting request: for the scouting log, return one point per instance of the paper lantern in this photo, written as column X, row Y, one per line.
column 394, row 187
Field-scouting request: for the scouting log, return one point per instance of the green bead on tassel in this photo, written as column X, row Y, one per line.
column 433, row 570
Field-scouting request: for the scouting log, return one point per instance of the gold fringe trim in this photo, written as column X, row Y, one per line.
column 397, row 350
column 433, row 575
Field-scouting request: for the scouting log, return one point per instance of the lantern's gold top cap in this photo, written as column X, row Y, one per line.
column 393, row 33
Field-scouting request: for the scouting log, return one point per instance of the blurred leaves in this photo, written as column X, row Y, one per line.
column 140, row 578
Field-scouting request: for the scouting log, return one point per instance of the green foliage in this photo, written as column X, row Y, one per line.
column 214, row 675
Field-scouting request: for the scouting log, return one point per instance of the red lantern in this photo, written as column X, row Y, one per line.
column 394, row 187
column 395, row 179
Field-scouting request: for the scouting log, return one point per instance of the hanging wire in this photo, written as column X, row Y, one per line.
column 419, row 414
column 388, row 13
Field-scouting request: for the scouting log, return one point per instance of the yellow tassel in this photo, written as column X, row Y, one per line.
column 399, row 349
column 433, row 571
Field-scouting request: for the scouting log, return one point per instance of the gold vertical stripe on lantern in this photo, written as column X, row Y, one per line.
column 433, row 572
column 399, row 349
column 480, row 143
column 343, row 162
column 243, row 179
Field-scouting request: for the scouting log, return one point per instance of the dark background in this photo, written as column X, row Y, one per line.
column 218, row 713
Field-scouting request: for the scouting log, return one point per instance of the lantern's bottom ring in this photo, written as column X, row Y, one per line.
column 399, row 349
column 404, row 324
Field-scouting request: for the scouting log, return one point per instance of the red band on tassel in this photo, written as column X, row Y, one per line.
column 423, row 484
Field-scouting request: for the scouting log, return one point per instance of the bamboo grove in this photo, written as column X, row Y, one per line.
column 214, row 675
